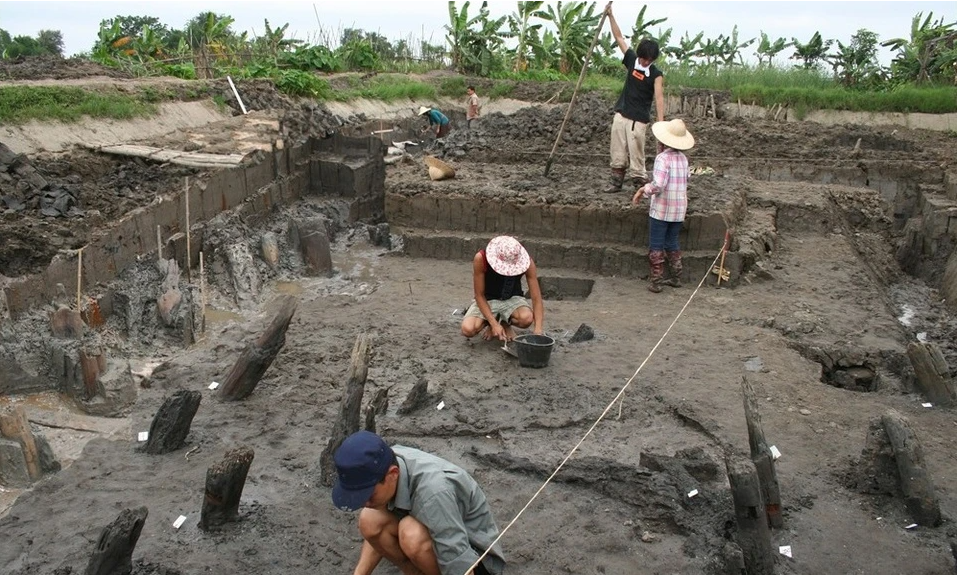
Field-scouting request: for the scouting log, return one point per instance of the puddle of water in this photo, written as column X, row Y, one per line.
column 907, row 314
column 214, row 315
column 289, row 288
column 47, row 401
column 354, row 267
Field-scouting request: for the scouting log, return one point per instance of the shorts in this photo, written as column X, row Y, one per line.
column 444, row 130
column 501, row 309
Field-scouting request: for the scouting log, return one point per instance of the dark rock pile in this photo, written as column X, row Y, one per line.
column 22, row 187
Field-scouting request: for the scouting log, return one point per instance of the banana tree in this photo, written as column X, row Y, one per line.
column 483, row 44
column 574, row 28
column 928, row 51
column 524, row 32
column 768, row 49
column 814, row 51
column 642, row 28
column 730, row 49
column 457, row 32
column 687, row 48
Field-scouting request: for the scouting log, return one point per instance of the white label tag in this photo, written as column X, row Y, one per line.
column 179, row 521
column 143, row 435
column 692, row 493
column 214, row 385
column 440, row 406
column 928, row 404
column 774, row 452
column 911, row 526
column 785, row 550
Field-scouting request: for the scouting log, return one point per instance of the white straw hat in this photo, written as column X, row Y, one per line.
column 423, row 110
column 673, row 134
column 438, row 170
column 507, row 256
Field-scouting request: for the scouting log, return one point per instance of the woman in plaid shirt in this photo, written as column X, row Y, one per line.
column 668, row 192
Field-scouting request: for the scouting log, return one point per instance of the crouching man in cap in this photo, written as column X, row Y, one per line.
column 422, row 513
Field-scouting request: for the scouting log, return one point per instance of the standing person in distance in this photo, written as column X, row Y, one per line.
column 643, row 83
column 472, row 107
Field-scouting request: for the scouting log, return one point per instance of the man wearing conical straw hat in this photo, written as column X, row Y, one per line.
column 500, row 303
column 668, row 191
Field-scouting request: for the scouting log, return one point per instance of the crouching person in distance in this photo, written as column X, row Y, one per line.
column 500, row 303
column 421, row 512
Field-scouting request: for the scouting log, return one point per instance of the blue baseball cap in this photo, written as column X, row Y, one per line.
column 361, row 462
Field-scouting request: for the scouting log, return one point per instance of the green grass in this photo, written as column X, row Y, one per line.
column 385, row 87
column 940, row 100
column 20, row 104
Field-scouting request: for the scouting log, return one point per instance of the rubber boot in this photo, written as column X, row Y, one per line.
column 674, row 267
column 616, row 181
column 656, row 259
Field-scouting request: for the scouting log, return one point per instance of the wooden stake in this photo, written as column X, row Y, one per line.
column 224, row 488
column 79, row 277
column 724, row 251
column 189, row 262
column 753, row 536
column 348, row 421
column 114, row 549
column 202, row 291
column 159, row 243
column 761, row 456
column 14, row 425
column 916, row 484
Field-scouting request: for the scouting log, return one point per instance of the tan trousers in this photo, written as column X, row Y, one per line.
column 628, row 146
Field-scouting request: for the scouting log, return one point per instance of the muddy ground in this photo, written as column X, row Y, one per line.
column 621, row 504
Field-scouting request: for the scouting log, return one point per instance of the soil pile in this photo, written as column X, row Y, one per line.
column 54, row 68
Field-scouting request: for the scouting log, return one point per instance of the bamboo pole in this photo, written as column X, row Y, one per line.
column 202, row 291
column 79, row 277
column 159, row 243
column 571, row 104
column 189, row 261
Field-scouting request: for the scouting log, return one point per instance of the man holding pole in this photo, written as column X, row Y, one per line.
column 643, row 81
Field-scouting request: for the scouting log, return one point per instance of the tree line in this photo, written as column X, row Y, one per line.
column 537, row 39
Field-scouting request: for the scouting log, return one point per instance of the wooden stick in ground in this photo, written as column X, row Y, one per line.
column 762, row 457
column 916, row 484
column 259, row 355
column 348, row 421
column 159, row 243
column 14, row 425
column 224, row 488
column 581, row 76
column 753, row 535
column 202, row 292
column 189, row 262
column 724, row 251
column 114, row 549
column 79, row 277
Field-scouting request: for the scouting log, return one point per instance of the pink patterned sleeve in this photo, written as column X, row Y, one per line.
column 660, row 177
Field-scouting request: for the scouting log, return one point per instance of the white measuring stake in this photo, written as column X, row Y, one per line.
column 236, row 93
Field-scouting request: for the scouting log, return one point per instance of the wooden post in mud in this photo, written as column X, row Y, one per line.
column 114, row 548
column 14, row 425
column 189, row 253
column 224, row 488
column 202, row 293
column 159, row 243
column 919, row 494
column 932, row 373
column 172, row 422
column 79, row 278
column 348, row 421
column 754, row 535
column 762, row 457
column 378, row 405
column 259, row 355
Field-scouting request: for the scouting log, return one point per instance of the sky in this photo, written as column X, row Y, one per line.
column 424, row 19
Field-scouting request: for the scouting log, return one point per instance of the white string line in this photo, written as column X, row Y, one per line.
column 620, row 395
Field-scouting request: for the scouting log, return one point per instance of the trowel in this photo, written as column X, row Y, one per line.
column 511, row 351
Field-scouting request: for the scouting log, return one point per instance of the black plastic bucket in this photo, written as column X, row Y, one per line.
column 533, row 350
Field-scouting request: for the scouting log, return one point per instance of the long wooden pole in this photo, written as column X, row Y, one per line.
column 189, row 261
column 159, row 243
column 581, row 76
column 79, row 277
column 202, row 291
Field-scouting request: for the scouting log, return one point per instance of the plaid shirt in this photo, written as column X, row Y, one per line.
column 669, row 188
